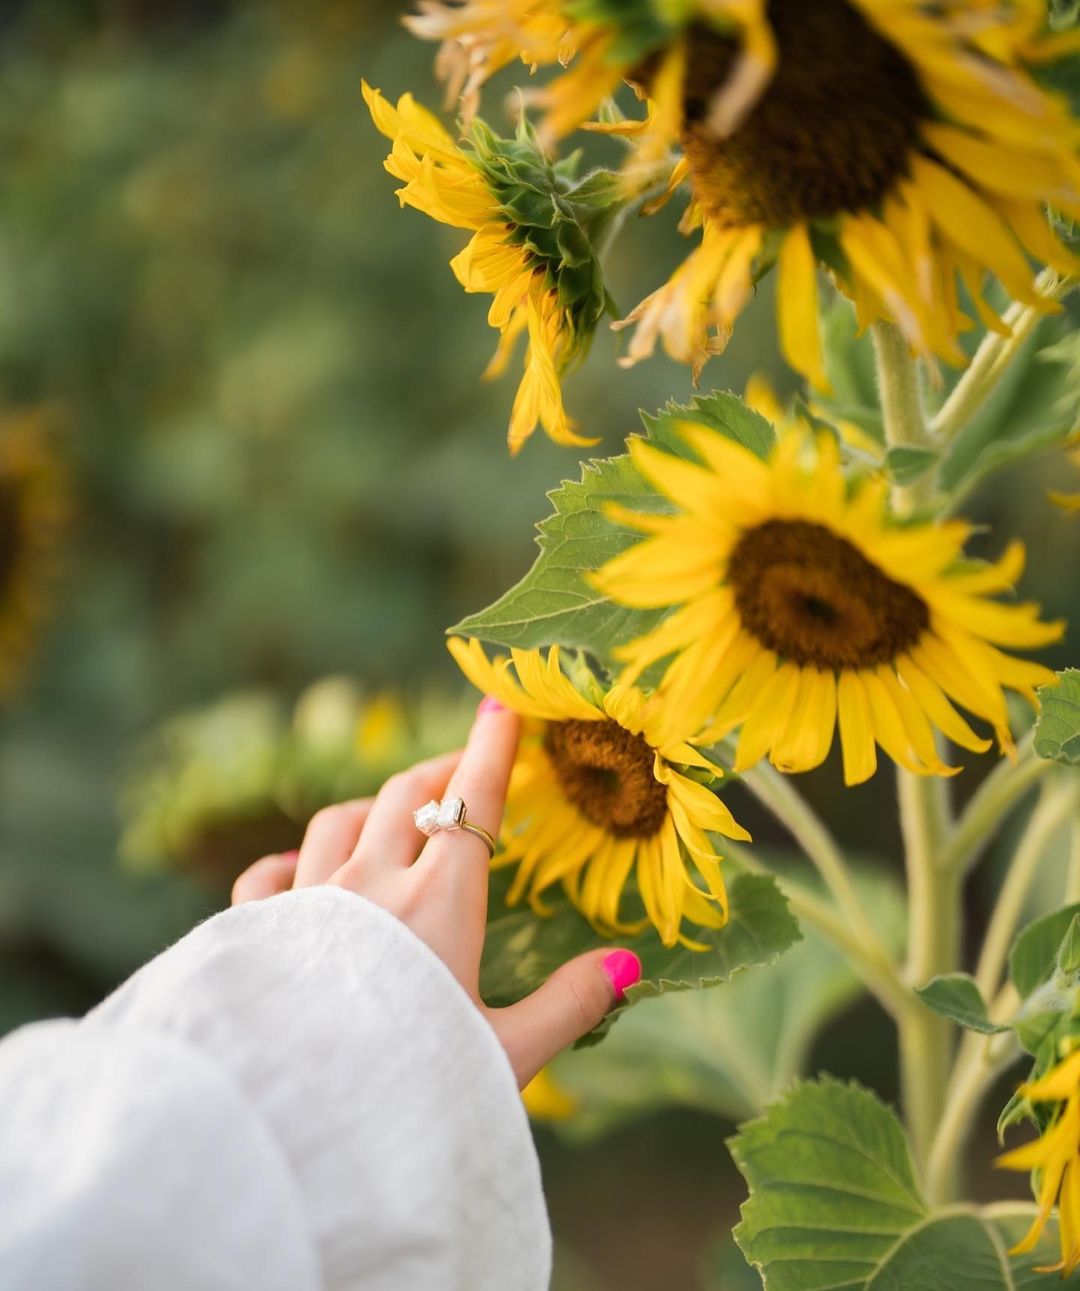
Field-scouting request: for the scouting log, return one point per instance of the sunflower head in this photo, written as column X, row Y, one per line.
column 800, row 603
column 603, row 795
column 34, row 514
column 534, row 227
column 906, row 147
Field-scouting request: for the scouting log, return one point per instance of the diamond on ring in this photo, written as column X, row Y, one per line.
column 451, row 813
column 427, row 818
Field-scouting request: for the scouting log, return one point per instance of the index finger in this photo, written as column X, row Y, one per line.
column 480, row 780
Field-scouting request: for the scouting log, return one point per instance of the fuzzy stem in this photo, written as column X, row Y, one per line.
column 793, row 812
column 926, row 1039
column 1056, row 804
column 979, row 1063
column 1072, row 875
column 993, row 357
column 901, row 406
column 991, row 803
column 878, row 974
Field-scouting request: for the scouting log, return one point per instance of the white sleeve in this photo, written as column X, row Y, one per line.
column 298, row 1096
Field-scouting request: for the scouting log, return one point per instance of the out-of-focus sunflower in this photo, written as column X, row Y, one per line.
column 1056, row 1157
column 601, row 43
column 600, row 794
column 803, row 605
column 905, row 146
column 530, row 249
column 34, row 510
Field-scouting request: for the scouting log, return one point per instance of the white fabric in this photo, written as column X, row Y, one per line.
column 296, row 1097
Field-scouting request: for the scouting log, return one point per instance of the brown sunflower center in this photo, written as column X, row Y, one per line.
column 607, row 773
column 812, row 597
column 832, row 131
column 9, row 534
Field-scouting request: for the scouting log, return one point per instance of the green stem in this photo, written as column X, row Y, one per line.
column 991, row 803
column 978, row 1064
column 993, row 357
column 1072, row 874
column 876, row 970
column 1055, row 806
column 793, row 812
column 926, row 1039
column 901, row 406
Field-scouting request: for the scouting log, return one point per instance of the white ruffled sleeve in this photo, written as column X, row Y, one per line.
column 298, row 1096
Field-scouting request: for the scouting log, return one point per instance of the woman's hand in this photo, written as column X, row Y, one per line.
column 438, row 886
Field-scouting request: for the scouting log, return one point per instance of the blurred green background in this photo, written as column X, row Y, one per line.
column 260, row 382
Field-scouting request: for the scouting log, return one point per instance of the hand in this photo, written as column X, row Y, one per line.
column 438, row 886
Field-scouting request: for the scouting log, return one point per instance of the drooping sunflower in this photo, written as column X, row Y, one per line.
column 598, row 796
column 34, row 509
column 537, row 265
column 802, row 605
column 601, row 43
column 905, row 146
column 1056, row 1156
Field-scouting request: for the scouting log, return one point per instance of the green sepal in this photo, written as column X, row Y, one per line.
column 1057, row 728
column 957, row 997
column 522, row 948
column 906, row 464
column 1034, row 956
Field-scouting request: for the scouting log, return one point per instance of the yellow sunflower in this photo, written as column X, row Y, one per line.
column 443, row 182
column 33, row 513
column 904, row 145
column 803, row 606
column 1056, row 1156
column 601, row 43
column 599, row 794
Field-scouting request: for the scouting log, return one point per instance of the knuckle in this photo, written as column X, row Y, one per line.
column 582, row 1003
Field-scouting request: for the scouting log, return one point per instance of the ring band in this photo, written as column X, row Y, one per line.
column 450, row 814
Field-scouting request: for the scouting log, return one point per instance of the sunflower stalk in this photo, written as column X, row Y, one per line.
column 793, row 812
column 926, row 1039
column 994, row 356
column 1056, row 805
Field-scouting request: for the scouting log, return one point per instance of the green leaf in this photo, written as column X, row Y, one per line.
column 554, row 604
column 956, row 997
column 522, row 948
column 832, row 1187
column 1034, row 954
column 721, row 411
column 1057, row 728
column 834, row 1204
column 906, row 464
column 727, row 1052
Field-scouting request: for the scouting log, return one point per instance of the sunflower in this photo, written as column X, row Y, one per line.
column 1056, row 1155
column 33, row 513
column 530, row 293
column 904, row 145
column 601, row 43
column 599, row 793
column 802, row 605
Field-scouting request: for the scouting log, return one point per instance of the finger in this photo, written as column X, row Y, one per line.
column 329, row 840
column 391, row 839
column 568, row 1005
column 266, row 878
column 480, row 781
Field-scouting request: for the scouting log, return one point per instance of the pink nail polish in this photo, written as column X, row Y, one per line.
column 622, row 969
column 489, row 704
column 292, row 857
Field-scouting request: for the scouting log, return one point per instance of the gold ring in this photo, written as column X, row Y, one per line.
column 450, row 814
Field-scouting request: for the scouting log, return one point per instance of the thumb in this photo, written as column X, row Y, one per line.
column 568, row 1005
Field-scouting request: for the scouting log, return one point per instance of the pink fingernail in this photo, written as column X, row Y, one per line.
column 292, row 857
column 622, row 969
column 489, row 704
